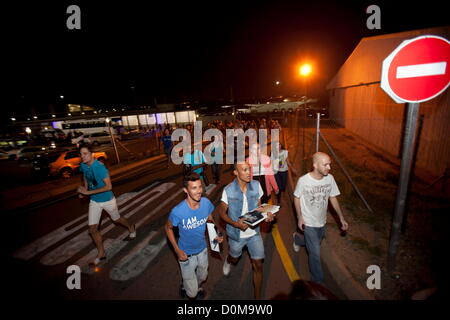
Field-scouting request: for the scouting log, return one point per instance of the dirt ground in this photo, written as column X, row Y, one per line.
column 423, row 244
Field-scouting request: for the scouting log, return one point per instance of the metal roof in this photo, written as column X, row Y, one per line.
column 363, row 66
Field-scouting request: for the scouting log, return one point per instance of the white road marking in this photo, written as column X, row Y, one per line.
column 43, row 243
column 93, row 253
column 421, row 70
column 112, row 247
column 137, row 260
column 71, row 247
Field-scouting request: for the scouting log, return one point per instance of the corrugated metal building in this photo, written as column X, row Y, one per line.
column 358, row 103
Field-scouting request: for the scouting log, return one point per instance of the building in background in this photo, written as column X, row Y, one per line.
column 358, row 103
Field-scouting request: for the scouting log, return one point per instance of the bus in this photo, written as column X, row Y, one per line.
column 86, row 126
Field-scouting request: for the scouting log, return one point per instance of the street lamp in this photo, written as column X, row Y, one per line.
column 304, row 71
column 277, row 84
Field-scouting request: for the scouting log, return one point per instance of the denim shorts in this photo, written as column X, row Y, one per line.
column 194, row 271
column 254, row 245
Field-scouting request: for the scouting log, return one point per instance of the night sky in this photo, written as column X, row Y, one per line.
column 185, row 50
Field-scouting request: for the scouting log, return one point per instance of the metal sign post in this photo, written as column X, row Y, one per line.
column 405, row 171
column 416, row 71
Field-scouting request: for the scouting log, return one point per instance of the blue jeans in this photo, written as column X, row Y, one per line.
column 312, row 239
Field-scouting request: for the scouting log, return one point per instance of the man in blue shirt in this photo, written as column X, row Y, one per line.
column 196, row 161
column 97, row 185
column 190, row 217
column 167, row 144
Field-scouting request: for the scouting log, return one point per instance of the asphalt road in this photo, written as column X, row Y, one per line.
column 19, row 173
column 43, row 243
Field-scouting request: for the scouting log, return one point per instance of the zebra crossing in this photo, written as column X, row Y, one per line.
column 71, row 239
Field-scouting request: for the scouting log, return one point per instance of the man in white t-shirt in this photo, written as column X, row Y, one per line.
column 312, row 193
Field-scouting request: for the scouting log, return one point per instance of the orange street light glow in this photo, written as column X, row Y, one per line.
column 305, row 70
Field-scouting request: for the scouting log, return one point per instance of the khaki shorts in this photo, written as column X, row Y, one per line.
column 96, row 208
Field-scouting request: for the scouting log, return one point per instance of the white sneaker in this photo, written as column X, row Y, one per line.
column 296, row 246
column 226, row 268
column 132, row 235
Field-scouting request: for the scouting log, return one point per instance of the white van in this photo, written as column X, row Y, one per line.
column 98, row 138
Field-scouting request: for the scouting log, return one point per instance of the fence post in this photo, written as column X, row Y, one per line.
column 346, row 173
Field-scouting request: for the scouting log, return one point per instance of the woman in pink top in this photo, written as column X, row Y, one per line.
column 271, row 183
column 262, row 169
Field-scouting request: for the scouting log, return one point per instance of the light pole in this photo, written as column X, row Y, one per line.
column 277, row 84
column 305, row 71
column 108, row 121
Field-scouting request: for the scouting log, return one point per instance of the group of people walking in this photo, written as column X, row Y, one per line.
column 254, row 181
column 244, row 194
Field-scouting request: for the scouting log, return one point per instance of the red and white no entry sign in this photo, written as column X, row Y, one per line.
column 417, row 70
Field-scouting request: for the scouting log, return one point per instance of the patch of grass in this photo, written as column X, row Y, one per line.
column 381, row 157
column 359, row 180
column 364, row 244
column 376, row 251
column 370, row 218
column 391, row 178
column 349, row 137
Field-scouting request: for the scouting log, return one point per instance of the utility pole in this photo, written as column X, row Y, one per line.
column 113, row 139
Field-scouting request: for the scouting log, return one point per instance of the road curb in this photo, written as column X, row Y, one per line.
column 341, row 275
column 25, row 199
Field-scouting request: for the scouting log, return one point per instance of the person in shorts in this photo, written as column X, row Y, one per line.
column 239, row 197
column 97, row 185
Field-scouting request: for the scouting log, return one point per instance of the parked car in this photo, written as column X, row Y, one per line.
column 130, row 135
column 4, row 155
column 40, row 165
column 63, row 164
column 53, row 134
column 27, row 153
column 98, row 138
